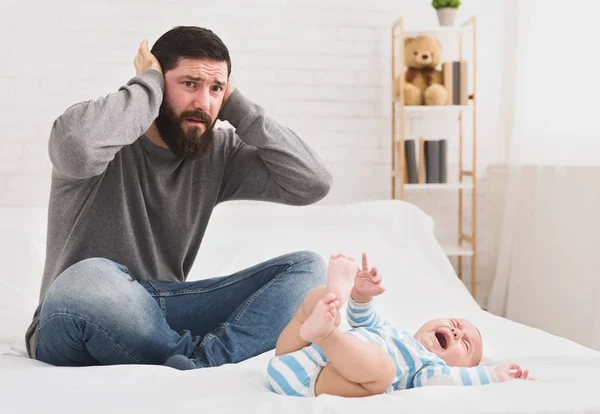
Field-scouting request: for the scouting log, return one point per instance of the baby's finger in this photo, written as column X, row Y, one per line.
column 365, row 265
column 373, row 271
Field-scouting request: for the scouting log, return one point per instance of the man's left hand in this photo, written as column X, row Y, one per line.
column 229, row 90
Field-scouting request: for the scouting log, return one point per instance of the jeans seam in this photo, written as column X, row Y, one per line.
column 41, row 325
column 154, row 287
column 162, row 304
column 255, row 295
column 248, row 303
column 226, row 283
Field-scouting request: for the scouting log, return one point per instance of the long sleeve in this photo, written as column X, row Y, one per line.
column 86, row 137
column 269, row 162
column 363, row 314
column 433, row 374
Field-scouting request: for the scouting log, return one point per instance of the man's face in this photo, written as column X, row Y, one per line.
column 456, row 341
column 193, row 96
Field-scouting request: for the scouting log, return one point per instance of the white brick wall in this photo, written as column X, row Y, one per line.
column 321, row 67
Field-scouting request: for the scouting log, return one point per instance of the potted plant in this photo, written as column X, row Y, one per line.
column 446, row 11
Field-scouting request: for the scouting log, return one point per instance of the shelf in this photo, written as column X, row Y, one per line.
column 446, row 186
column 411, row 32
column 454, row 250
column 437, row 108
column 424, row 111
column 434, row 108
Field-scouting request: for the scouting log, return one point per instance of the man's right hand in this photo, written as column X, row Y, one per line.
column 145, row 60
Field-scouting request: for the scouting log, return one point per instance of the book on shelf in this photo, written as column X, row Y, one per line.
column 431, row 167
column 432, row 162
column 455, row 79
column 443, row 161
column 412, row 174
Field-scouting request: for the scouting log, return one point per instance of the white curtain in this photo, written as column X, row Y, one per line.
column 548, row 271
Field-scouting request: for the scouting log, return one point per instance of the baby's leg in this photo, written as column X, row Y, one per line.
column 354, row 367
column 357, row 361
column 290, row 339
column 340, row 278
column 352, row 362
column 331, row 382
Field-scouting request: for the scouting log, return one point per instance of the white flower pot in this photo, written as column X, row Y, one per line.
column 446, row 16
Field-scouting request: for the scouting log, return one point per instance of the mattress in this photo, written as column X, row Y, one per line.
column 421, row 284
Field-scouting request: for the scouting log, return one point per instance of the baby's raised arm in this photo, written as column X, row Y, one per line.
column 367, row 284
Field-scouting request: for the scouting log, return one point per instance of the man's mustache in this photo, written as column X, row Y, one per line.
column 203, row 116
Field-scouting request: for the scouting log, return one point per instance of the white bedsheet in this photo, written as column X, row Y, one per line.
column 421, row 285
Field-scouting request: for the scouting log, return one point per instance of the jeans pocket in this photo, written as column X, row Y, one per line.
column 122, row 268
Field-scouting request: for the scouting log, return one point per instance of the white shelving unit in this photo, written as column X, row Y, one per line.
column 435, row 30
column 466, row 246
column 457, row 251
column 448, row 186
column 434, row 108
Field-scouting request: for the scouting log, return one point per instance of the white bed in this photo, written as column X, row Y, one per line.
column 421, row 284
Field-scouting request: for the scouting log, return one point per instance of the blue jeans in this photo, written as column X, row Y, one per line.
column 96, row 313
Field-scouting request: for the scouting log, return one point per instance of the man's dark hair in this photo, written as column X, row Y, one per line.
column 189, row 42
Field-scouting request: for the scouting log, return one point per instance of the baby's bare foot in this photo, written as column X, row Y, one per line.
column 320, row 323
column 340, row 276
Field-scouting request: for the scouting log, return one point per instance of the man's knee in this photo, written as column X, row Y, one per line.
column 313, row 265
column 87, row 286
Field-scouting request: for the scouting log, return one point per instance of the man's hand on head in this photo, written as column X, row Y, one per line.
column 144, row 60
column 229, row 90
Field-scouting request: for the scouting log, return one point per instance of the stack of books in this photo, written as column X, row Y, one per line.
column 432, row 167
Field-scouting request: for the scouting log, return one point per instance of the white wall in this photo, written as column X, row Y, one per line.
column 321, row 67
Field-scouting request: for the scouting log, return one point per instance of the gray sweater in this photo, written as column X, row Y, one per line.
column 117, row 195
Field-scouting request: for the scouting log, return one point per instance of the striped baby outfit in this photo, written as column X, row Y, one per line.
column 296, row 373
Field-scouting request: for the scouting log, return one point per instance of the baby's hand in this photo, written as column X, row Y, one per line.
column 507, row 372
column 367, row 283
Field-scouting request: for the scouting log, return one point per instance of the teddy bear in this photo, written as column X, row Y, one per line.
column 423, row 81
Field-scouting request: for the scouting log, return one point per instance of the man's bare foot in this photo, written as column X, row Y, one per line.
column 340, row 276
column 320, row 323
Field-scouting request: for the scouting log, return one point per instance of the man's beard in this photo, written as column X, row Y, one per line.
column 189, row 143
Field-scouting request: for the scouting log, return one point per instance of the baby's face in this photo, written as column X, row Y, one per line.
column 456, row 341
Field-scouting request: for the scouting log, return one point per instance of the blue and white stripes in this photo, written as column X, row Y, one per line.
column 295, row 374
column 363, row 314
column 438, row 374
column 400, row 346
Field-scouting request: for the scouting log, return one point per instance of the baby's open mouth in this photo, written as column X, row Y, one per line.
column 442, row 339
